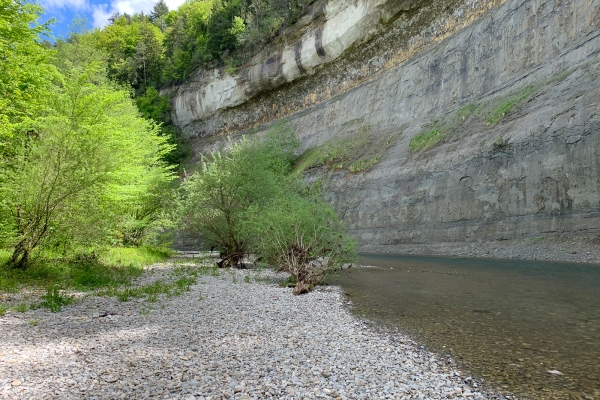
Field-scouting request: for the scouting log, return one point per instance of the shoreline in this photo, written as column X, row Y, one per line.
column 236, row 336
column 579, row 249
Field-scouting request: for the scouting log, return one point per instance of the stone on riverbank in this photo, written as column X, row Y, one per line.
column 226, row 338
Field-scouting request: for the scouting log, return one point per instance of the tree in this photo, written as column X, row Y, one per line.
column 158, row 14
column 24, row 69
column 82, row 165
column 134, row 47
column 247, row 200
column 218, row 195
column 301, row 234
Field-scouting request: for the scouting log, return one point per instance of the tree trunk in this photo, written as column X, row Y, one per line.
column 20, row 256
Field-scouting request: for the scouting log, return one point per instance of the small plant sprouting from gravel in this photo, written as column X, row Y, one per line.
column 3, row 309
column 34, row 321
column 247, row 278
column 21, row 307
column 145, row 310
column 54, row 300
column 179, row 281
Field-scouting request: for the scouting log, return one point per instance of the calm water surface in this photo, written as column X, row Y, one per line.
column 508, row 322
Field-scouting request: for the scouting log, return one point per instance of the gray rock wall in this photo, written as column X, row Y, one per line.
column 536, row 171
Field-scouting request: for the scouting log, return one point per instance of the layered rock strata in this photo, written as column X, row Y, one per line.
column 512, row 89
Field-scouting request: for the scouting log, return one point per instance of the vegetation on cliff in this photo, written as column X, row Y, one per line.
column 354, row 148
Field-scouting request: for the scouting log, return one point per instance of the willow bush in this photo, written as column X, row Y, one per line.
column 246, row 200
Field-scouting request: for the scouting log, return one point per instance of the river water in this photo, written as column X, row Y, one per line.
column 507, row 322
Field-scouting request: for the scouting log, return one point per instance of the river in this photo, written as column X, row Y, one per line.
column 530, row 329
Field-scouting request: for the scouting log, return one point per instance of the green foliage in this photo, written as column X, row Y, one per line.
column 500, row 143
column 228, row 184
column 134, row 47
column 356, row 153
column 79, row 168
column 364, row 164
column 427, row 139
column 54, row 299
column 157, row 108
column 214, row 32
column 466, row 111
column 3, row 309
column 78, row 52
column 302, row 235
column 82, row 271
column 507, row 105
column 180, row 281
column 25, row 73
column 154, row 106
column 247, row 200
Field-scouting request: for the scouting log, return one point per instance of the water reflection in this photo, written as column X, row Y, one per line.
column 506, row 321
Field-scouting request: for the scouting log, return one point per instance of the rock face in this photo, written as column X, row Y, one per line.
column 511, row 87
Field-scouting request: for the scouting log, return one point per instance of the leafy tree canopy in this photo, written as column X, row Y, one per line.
column 246, row 200
column 76, row 156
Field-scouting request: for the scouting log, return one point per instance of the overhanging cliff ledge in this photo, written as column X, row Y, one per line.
column 486, row 113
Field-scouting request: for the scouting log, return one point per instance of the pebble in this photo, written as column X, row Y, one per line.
column 226, row 338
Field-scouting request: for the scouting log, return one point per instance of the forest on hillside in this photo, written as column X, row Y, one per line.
column 147, row 52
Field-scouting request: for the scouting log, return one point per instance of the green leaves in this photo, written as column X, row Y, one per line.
column 76, row 157
column 247, row 200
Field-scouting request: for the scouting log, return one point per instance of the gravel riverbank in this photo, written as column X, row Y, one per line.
column 234, row 336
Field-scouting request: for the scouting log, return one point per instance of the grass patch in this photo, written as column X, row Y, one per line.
column 364, row 164
column 466, row 111
column 355, row 153
column 55, row 299
column 426, row 140
column 86, row 271
column 504, row 107
column 180, row 281
column 561, row 76
column 134, row 257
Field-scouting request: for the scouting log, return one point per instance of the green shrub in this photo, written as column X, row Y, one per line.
column 302, row 235
column 426, row 140
column 248, row 200
column 54, row 299
column 507, row 105
column 217, row 196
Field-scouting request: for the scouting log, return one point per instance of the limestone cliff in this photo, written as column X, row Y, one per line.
column 493, row 107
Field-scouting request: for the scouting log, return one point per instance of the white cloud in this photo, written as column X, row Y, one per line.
column 102, row 12
column 100, row 15
column 173, row 4
column 74, row 4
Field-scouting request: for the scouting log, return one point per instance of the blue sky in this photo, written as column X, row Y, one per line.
column 96, row 12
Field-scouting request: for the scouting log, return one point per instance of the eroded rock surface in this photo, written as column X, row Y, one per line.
column 512, row 86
